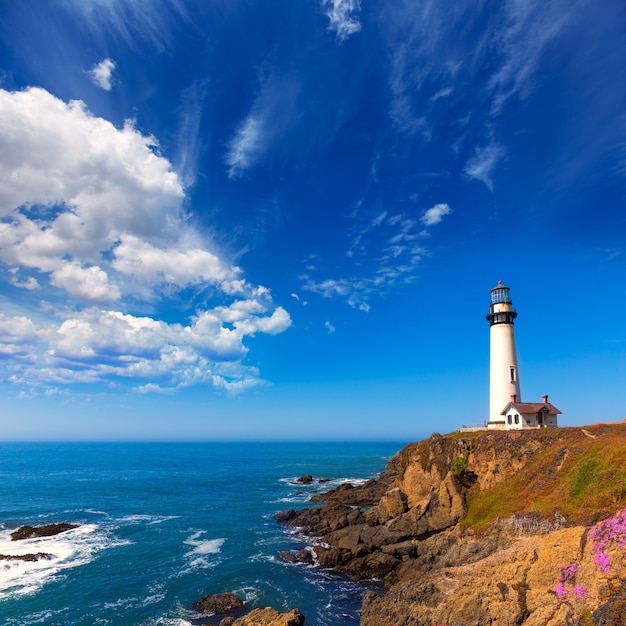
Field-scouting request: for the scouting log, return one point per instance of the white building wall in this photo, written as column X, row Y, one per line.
column 503, row 370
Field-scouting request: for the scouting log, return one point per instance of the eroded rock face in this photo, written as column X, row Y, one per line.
column 404, row 528
column 510, row 587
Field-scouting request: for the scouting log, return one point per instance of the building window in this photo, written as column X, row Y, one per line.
column 510, row 420
column 517, row 419
column 512, row 374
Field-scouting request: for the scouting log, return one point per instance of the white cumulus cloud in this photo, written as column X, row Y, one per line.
column 102, row 73
column 91, row 216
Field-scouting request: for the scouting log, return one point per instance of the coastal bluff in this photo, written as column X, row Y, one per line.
column 489, row 527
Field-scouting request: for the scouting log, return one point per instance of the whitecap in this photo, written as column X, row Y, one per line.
column 150, row 519
column 204, row 546
column 69, row 549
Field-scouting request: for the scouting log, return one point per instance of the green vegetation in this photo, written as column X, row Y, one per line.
column 582, row 475
column 579, row 473
column 459, row 466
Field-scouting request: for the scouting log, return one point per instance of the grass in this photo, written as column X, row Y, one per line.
column 582, row 477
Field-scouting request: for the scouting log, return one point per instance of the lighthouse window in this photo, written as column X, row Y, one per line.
column 510, row 420
column 517, row 419
column 500, row 295
column 512, row 374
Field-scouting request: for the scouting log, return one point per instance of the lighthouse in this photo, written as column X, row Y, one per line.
column 504, row 384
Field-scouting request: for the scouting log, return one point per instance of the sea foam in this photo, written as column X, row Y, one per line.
column 69, row 549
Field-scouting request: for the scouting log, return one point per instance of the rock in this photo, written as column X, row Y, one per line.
column 31, row 532
column 374, row 565
column 284, row 517
column 324, row 480
column 219, row 603
column 302, row 556
column 611, row 613
column 290, row 557
column 305, row 556
column 39, row 556
column 400, row 605
column 401, row 549
column 405, row 528
column 267, row 617
column 305, row 480
column 394, row 502
column 320, row 521
column 367, row 494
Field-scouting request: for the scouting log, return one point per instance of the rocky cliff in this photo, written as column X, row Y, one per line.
column 486, row 528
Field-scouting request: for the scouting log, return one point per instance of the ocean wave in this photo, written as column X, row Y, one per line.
column 293, row 480
column 171, row 621
column 202, row 548
column 69, row 549
column 150, row 519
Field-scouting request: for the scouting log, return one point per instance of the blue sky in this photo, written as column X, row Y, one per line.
column 235, row 219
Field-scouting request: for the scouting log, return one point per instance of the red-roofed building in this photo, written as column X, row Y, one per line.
column 520, row 415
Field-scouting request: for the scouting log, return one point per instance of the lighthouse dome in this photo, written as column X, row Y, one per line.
column 500, row 293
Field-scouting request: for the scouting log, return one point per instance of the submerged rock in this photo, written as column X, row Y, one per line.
column 32, row 532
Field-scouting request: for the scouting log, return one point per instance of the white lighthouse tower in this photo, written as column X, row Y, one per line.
column 503, row 373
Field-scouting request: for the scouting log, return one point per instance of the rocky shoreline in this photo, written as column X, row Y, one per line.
column 409, row 529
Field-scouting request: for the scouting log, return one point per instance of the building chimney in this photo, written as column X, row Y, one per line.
column 545, row 399
column 513, row 397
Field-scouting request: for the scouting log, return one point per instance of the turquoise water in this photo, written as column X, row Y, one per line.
column 161, row 525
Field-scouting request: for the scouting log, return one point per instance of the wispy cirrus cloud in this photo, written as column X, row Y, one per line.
column 343, row 16
column 456, row 67
column 189, row 136
column 91, row 216
column 481, row 165
column 101, row 74
column 529, row 28
column 269, row 117
column 149, row 22
column 385, row 250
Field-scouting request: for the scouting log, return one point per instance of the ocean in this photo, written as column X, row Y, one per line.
column 162, row 524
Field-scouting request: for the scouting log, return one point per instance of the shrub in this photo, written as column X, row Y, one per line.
column 459, row 466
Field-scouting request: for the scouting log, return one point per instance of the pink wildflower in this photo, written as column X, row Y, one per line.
column 580, row 591
column 602, row 561
column 560, row 591
column 568, row 573
column 609, row 532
